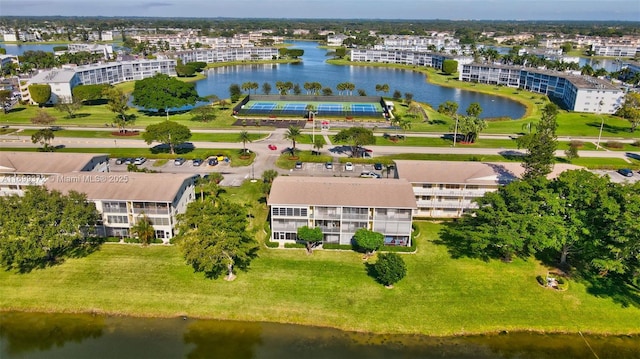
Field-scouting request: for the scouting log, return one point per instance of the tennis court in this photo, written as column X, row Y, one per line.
column 363, row 107
column 294, row 107
column 330, row 107
column 273, row 106
column 263, row 106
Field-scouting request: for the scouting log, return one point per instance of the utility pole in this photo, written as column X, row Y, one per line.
column 601, row 123
column 455, row 132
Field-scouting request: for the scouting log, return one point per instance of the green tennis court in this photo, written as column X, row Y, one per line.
column 327, row 106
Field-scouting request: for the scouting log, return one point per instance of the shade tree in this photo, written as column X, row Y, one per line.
column 167, row 132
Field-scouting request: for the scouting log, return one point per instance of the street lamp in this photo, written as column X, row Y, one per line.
column 455, row 132
column 313, row 126
column 601, row 123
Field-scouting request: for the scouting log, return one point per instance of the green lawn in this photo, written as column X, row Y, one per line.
column 195, row 136
column 439, row 296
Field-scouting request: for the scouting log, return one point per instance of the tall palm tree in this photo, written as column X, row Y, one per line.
column 294, row 135
column 244, row 137
column 143, row 229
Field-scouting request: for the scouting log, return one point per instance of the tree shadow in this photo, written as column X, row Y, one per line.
column 370, row 268
column 512, row 155
column 458, row 245
column 14, row 110
column 617, row 289
column 607, row 128
column 78, row 115
column 180, row 149
column 79, row 250
column 437, row 122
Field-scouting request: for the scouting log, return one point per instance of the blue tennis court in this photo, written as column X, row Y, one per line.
column 330, row 107
column 267, row 106
column 363, row 107
column 294, row 107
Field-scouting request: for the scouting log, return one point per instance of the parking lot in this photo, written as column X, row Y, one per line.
column 337, row 169
column 171, row 167
column 616, row 177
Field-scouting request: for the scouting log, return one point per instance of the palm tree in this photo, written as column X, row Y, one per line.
column 143, row 229
column 318, row 144
column 294, row 135
column 244, row 138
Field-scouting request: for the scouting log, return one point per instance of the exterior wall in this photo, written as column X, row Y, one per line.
column 339, row 223
column 615, row 50
column 116, row 72
column 228, row 54
column 438, row 200
column 583, row 99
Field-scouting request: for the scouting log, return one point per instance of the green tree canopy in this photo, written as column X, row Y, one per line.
column 630, row 109
column 162, row 93
column 367, row 240
column 356, row 137
column 234, row 92
column 214, row 238
column 143, row 229
column 293, row 134
column 540, row 145
column 449, row 66
column 40, row 93
column 44, row 137
column 118, row 103
column 311, row 236
column 89, row 93
column 389, row 269
column 167, row 132
column 42, row 228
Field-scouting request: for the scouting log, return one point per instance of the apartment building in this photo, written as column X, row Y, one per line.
column 122, row 71
column 227, row 54
column 62, row 82
column 124, row 198
column 615, row 50
column 447, row 189
column 105, row 50
column 340, row 206
column 18, row 170
column 575, row 92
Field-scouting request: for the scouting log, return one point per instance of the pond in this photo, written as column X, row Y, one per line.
column 34, row 335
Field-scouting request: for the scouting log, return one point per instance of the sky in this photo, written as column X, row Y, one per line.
column 624, row 10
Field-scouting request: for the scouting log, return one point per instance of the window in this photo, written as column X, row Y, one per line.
column 117, row 219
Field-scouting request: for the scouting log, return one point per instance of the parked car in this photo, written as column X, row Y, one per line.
column 298, row 165
column 128, row 161
column 625, row 172
column 197, row 162
column 120, row 161
column 213, row 161
column 139, row 160
column 179, row 161
column 348, row 166
column 369, row 174
column 377, row 166
column 328, row 165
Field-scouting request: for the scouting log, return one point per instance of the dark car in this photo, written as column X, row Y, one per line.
column 120, row 161
column 128, row 161
column 377, row 166
column 197, row 162
column 213, row 161
column 179, row 161
column 625, row 172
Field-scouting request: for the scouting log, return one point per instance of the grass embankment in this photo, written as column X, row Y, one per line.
column 439, row 296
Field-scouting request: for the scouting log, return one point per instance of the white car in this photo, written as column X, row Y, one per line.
column 369, row 174
column 139, row 160
column 348, row 166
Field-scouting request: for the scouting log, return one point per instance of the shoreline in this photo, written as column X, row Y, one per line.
column 95, row 312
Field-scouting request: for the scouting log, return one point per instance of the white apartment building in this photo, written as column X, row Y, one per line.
column 19, row 170
column 616, row 50
column 62, row 82
column 123, row 198
column 447, row 189
column 416, row 58
column 340, row 206
column 122, row 71
column 227, row 54
column 577, row 93
column 105, row 50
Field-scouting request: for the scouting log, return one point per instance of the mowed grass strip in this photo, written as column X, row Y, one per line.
column 439, row 296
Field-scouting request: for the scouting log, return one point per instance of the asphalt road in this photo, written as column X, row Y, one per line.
column 266, row 158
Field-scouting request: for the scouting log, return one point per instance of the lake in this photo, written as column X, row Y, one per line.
column 34, row 335
column 314, row 68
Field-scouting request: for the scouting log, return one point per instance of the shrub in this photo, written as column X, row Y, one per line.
column 576, row 143
column 636, row 143
column 112, row 239
column 390, row 268
column 294, row 245
column 614, row 144
column 540, row 280
column 398, row 248
column 560, row 281
column 131, row 240
column 337, row 246
column 271, row 244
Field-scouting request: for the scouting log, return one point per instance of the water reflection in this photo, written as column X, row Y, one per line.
column 32, row 335
column 26, row 332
